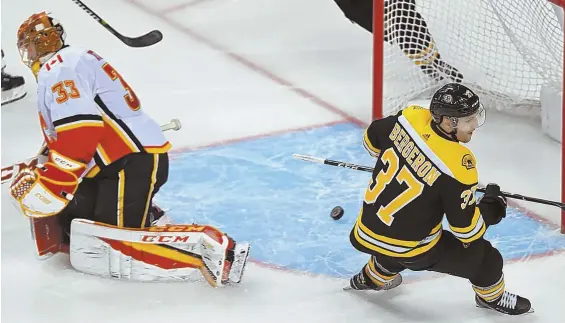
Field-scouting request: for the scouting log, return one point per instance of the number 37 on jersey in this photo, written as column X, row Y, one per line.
column 423, row 173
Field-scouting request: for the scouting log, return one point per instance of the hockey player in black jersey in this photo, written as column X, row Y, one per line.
column 423, row 172
column 405, row 27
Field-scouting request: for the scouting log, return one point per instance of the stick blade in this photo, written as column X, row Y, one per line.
column 148, row 39
column 307, row 158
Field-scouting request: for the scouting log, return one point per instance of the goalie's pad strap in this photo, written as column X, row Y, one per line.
column 172, row 253
column 241, row 252
column 46, row 233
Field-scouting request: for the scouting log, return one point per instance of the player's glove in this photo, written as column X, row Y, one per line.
column 42, row 190
column 492, row 205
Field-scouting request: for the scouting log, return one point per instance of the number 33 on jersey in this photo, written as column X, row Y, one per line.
column 89, row 111
column 67, row 89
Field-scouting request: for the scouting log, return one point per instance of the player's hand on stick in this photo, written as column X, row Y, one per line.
column 492, row 204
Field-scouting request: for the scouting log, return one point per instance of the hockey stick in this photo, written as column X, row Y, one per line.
column 148, row 39
column 370, row 170
column 7, row 171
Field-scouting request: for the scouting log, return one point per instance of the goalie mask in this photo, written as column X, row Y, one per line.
column 460, row 105
column 39, row 37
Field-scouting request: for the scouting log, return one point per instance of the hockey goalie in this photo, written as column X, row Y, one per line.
column 90, row 191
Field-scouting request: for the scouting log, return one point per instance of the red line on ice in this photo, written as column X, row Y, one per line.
column 249, row 64
column 182, row 6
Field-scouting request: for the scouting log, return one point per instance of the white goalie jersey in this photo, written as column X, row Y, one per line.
column 90, row 114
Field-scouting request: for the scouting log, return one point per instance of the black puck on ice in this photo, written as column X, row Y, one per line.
column 337, row 212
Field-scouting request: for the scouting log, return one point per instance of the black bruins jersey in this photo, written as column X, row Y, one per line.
column 420, row 175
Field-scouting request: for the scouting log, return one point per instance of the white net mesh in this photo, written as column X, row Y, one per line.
column 505, row 49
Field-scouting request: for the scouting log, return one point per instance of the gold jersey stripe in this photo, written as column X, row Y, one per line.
column 79, row 124
column 151, row 188
column 395, row 251
column 121, row 196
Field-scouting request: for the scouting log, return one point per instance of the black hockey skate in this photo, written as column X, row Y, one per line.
column 361, row 282
column 449, row 70
column 12, row 88
column 508, row 303
column 439, row 70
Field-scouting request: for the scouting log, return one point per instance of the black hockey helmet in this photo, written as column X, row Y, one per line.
column 455, row 100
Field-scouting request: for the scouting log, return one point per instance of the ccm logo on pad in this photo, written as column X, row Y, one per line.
column 164, row 239
column 65, row 163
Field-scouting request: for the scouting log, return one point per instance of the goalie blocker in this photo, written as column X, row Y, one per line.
column 158, row 253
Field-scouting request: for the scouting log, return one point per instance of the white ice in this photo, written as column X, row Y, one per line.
column 241, row 68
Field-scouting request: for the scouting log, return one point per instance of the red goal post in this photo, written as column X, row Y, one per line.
column 561, row 3
column 492, row 26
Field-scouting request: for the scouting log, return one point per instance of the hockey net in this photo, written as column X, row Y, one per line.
column 509, row 51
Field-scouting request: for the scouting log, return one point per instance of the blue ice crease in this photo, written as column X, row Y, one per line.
column 255, row 191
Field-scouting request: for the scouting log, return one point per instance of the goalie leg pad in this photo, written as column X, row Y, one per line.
column 169, row 253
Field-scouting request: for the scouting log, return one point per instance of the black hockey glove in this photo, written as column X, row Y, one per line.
column 492, row 205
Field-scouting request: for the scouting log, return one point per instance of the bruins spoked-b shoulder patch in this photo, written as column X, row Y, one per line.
column 468, row 161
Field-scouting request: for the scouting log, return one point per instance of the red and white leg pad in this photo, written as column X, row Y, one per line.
column 158, row 253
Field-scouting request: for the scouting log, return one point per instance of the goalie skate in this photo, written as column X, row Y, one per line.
column 241, row 252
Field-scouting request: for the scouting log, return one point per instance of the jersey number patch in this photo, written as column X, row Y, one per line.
column 468, row 197
column 65, row 90
column 384, row 178
column 131, row 99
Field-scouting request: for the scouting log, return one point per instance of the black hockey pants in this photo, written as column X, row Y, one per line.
column 478, row 261
column 120, row 194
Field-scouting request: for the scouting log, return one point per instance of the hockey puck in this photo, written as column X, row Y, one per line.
column 337, row 213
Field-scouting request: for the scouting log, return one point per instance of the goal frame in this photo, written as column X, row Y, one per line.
column 378, row 83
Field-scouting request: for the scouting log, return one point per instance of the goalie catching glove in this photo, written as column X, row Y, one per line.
column 45, row 189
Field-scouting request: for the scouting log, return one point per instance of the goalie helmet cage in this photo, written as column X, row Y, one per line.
column 510, row 48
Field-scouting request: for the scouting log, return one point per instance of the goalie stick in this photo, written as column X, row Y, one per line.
column 148, row 39
column 8, row 171
column 370, row 170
